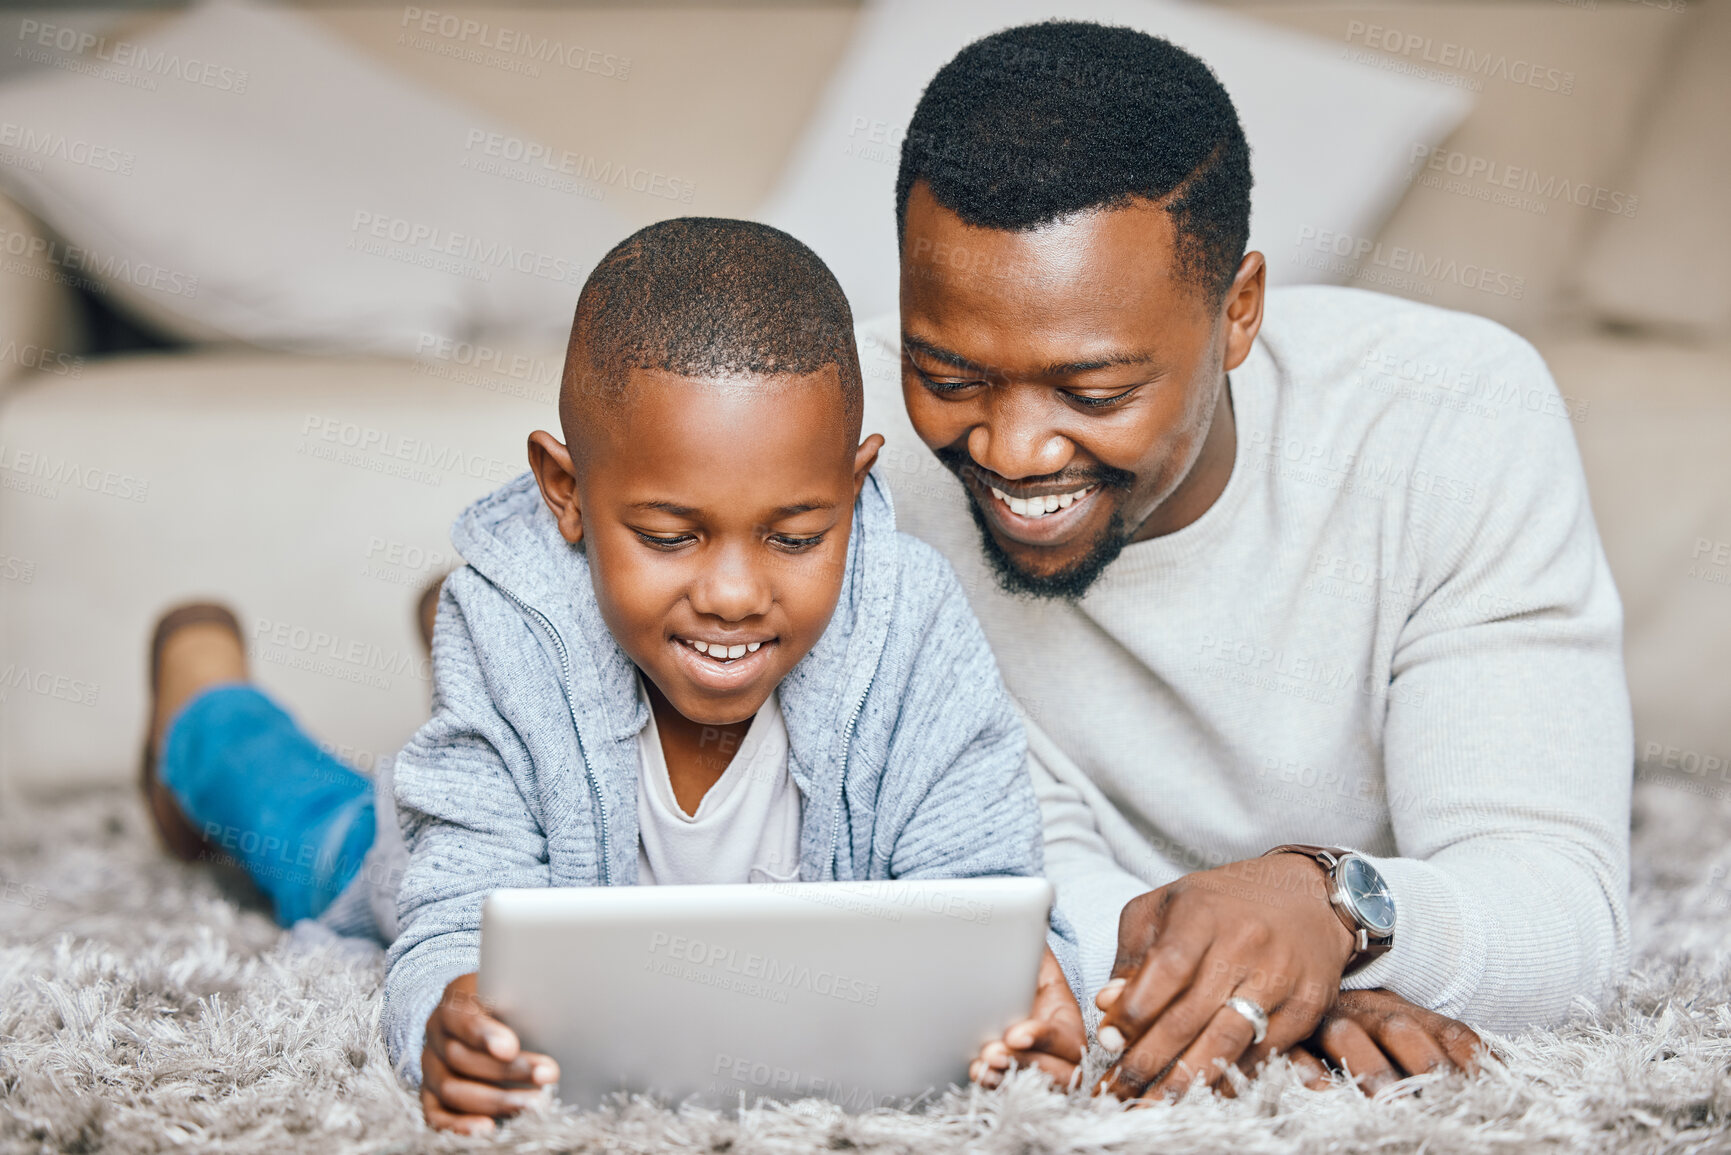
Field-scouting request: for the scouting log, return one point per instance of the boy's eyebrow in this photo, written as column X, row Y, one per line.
column 677, row 510
column 1056, row 369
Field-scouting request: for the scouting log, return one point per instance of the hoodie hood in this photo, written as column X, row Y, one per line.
column 512, row 540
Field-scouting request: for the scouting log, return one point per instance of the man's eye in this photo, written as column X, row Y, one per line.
column 937, row 386
column 795, row 544
column 1098, row 402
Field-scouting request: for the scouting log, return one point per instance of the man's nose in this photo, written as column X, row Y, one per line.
column 1015, row 437
column 733, row 585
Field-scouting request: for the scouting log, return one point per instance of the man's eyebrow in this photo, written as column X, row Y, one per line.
column 1054, row 369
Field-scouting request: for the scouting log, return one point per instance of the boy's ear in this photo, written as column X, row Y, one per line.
column 551, row 462
column 864, row 458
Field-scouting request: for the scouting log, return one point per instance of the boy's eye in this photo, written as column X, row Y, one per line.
column 659, row 541
column 794, row 544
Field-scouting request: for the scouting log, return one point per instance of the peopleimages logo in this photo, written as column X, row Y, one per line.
column 1460, row 57
column 1397, row 266
column 512, row 42
column 372, row 229
column 128, row 54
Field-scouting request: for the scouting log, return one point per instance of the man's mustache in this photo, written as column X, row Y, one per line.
column 959, row 462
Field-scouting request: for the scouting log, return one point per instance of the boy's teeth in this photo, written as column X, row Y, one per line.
column 725, row 653
column 1041, row 506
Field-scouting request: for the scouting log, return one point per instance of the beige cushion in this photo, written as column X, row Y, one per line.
column 1655, row 423
column 1608, row 58
column 710, row 96
column 1670, row 267
column 38, row 312
column 313, row 495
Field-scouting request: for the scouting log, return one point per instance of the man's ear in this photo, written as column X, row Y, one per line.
column 864, row 458
column 1243, row 309
column 557, row 477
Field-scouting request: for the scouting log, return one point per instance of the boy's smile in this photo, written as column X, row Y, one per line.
column 715, row 515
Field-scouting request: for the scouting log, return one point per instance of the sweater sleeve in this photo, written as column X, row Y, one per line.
column 467, row 829
column 1508, row 731
column 976, row 814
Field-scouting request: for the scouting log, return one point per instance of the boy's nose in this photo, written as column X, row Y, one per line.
column 732, row 589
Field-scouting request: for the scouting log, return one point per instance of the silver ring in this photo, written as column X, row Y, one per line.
column 1253, row 1014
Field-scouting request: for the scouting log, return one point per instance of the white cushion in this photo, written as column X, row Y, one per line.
column 1329, row 140
column 292, row 194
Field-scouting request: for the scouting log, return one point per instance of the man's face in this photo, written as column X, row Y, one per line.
column 715, row 516
column 1069, row 376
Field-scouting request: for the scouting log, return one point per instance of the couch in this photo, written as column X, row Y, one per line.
column 313, row 493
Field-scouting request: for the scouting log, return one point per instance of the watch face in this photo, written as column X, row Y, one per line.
column 1368, row 893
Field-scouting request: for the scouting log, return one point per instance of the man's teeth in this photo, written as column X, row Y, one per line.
column 726, row 653
column 1041, row 506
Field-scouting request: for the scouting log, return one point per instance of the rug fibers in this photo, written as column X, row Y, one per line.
column 147, row 1006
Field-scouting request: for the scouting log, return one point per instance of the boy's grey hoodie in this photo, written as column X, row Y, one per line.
column 903, row 741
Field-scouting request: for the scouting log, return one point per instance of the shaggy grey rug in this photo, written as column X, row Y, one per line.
column 146, row 1006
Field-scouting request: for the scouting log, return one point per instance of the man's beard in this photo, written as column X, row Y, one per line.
column 1074, row 580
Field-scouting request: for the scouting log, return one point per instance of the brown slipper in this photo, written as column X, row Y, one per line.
column 179, row 837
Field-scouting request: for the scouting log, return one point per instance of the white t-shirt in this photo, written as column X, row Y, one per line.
column 746, row 829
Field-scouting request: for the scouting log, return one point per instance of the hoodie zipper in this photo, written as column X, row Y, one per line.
column 841, row 786
column 588, row 770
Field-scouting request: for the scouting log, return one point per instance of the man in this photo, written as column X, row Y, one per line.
column 1330, row 580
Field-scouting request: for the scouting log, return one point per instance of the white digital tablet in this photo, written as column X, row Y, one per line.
column 863, row 993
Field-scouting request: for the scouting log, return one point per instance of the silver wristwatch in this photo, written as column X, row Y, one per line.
column 1360, row 897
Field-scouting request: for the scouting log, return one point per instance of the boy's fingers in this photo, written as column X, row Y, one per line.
column 1055, row 1036
column 440, row 1119
column 460, row 1096
column 527, row 1068
column 476, row 1029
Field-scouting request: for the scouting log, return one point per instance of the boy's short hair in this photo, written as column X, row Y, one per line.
column 706, row 297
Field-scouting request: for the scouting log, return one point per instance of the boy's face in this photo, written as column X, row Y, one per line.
column 715, row 515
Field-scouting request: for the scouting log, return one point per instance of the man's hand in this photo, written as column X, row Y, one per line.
column 1261, row 929
column 1051, row 1038
column 1377, row 1038
column 473, row 1069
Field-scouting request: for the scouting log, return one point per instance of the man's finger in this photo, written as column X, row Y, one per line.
column 440, row 1119
column 1355, row 1052
column 1166, row 973
column 1405, row 1041
column 1291, row 1023
column 1226, row 1037
column 1178, row 1026
column 528, row 1068
column 1310, row 1068
column 1460, row 1042
column 1139, row 926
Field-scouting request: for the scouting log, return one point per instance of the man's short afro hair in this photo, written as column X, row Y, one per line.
column 708, row 297
column 1041, row 121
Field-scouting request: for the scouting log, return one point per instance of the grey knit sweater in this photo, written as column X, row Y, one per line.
column 903, row 742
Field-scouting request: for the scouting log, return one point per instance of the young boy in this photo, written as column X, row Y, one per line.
column 691, row 648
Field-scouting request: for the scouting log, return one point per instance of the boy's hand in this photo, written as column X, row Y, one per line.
column 473, row 1069
column 1051, row 1038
